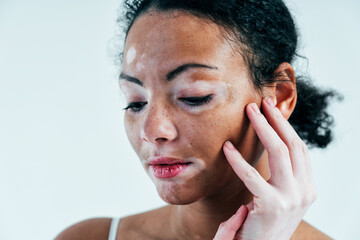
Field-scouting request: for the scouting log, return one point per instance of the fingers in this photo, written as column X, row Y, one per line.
column 284, row 199
column 297, row 149
column 248, row 174
column 279, row 163
column 228, row 229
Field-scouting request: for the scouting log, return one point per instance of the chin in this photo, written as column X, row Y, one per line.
column 177, row 195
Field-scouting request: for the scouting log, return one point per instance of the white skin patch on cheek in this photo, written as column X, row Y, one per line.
column 130, row 55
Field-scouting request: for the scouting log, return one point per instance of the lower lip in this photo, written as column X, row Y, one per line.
column 168, row 170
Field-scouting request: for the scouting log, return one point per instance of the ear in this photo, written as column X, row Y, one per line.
column 283, row 91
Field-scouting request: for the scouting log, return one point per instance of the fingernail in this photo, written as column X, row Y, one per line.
column 229, row 145
column 254, row 107
column 269, row 101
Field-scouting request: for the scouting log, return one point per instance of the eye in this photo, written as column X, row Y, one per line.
column 197, row 101
column 135, row 106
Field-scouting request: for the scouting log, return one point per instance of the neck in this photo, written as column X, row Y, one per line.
column 200, row 220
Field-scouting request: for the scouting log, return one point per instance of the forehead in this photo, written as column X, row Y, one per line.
column 175, row 35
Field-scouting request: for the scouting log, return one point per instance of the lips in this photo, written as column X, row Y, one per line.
column 164, row 167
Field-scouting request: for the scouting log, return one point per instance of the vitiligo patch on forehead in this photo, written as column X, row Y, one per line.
column 130, row 55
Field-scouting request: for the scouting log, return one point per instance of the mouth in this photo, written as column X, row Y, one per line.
column 164, row 167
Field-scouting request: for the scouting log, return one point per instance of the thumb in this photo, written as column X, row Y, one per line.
column 228, row 229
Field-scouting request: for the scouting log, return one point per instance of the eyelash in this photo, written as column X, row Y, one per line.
column 197, row 101
column 135, row 106
column 191, row 101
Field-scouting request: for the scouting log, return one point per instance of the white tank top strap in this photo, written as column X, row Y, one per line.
column 113, row 228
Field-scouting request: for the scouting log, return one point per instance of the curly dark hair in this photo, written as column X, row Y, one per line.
column 266, row 34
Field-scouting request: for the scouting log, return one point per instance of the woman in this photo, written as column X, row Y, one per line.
column 210, row 87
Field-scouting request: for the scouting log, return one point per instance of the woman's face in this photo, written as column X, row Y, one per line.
column 186, row 88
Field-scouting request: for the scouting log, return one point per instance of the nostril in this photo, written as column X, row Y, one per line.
column 158, row 127
column 161, row 139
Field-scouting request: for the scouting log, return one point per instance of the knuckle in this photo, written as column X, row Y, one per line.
column 308, row 198
column 275, row 202
column 305, row 203
column 282, row 150
column 263, row 206
column 298, row 145
column 290, row 203
column 286, row 204
column 294, row 205
column 304, row 149
column 223, row 225
column 295, row 144
column 281, row 207
column 251, row 174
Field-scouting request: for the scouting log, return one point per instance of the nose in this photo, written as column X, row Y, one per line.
column 158, row 126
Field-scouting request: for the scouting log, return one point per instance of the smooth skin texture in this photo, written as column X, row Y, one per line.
column 170, row 118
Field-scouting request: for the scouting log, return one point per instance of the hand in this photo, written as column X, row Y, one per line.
column 279, row 204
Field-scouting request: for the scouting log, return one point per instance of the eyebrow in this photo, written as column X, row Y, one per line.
column 171, row 75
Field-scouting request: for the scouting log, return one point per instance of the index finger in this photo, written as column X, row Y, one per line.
column 279, row 162
column 228, row 229
column 297, row 148
column 247, row 173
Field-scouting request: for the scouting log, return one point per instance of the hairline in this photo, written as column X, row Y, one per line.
column 228, row 34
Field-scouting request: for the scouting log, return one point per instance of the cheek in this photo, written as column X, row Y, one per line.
column 210, row 132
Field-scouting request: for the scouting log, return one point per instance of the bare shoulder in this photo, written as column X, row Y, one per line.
column 90, row 229
column 138, row 226
column 307, row 232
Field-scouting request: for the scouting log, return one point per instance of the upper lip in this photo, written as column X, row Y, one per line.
column 165, row 160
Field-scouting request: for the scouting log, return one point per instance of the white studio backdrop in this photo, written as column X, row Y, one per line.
column 64, row 155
